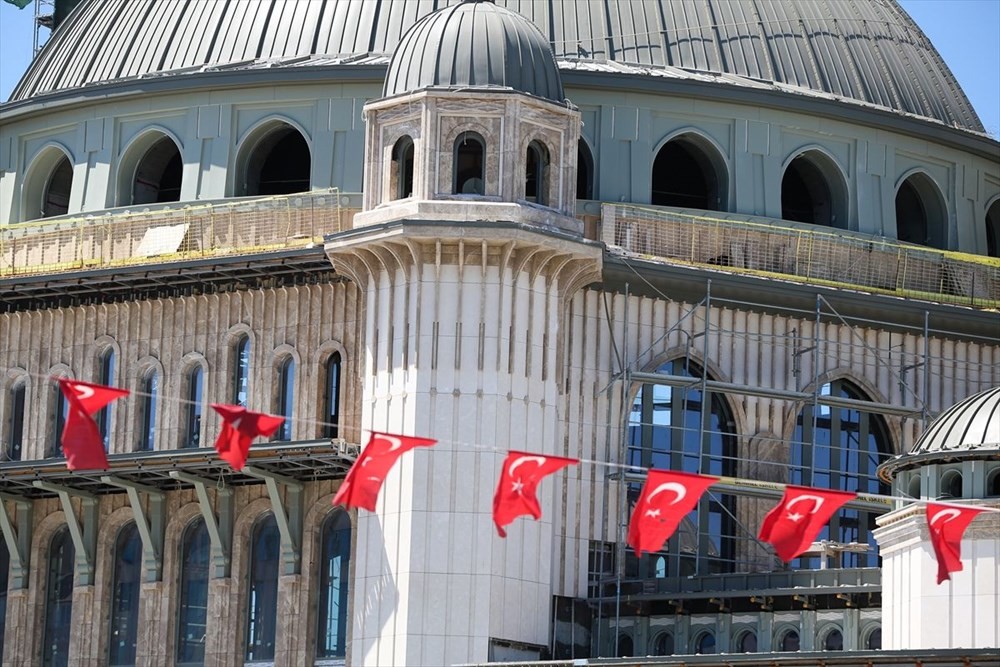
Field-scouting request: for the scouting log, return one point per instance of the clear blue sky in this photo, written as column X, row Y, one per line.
column 965, row 32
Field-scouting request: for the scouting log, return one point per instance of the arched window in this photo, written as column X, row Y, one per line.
column 334, row 582
column 584, row 171
column 813, row 191
column 157, row 175
column 401, row 184
column 993, row 484
column 149, row 389
column 15, row 422
column 192, row 613
column 705, row 644
column 668, row 429
column 921, row 216
column 331, row 397
column 993, row 230
column 277, row 163
column 952, row 485
column 241, row 371
column 106, row 376
column 789, row 641
column 125, row 588
column 834, row 640
column 874, row 640
column 663, row 644
column 58, row 600
column 536, row 174
column 193, row 408
column 285, row 398
column 58, row 408
column 840, row 448
column 262, row 605
column 747, row 642
column 47, row 186
column 4, row 573
column 688, row 172
column 625, row 647
column 470, row 160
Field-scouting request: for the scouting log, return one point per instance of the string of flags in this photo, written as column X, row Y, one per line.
column 665, row 499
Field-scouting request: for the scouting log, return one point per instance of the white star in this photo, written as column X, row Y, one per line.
column 793, row 516
column 517, row 486
column 653, row 513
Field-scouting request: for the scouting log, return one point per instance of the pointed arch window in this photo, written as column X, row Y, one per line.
column 402, row 168
column 192, row 616
column 125, row 587
column 470, row 160
column 58, row 600
column 331, row 397
column 286, row 398
column 15, row 421
column 241, row 371
column 536, row 173
column 680, row 428
column 262, row 607
column 149, row 390
column 106, row 376
column 840, row 448
column 193, row 409
column 334, row 579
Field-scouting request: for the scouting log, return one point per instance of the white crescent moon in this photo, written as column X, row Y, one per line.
column 236, row 423
column 676, row 487
column 950, row 512
column 540, row 460
column 816, row 499
column 82, row 391
column 394, row 443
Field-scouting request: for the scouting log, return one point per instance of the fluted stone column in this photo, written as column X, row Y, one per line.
column 462, row 342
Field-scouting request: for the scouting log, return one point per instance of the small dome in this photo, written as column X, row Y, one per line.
column 969, row 429
column 475, row 44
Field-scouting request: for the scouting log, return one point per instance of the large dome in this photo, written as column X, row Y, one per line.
column 474, row 45
column 868, row 51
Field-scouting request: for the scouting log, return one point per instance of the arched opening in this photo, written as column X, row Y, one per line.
column 584, row 171
column 813, row 191
column 834, row 640
column 993, row 484
column 285, row 400
column 789, row 641
column 840, row 448
column 705, row 645
column 125, row 589
column 334, row 586
column 106, row 376
column 194, row 407
column 469, row 161
column 59, row 409
column 156, row 176
column 913, row 487
column 262, row 605
column 536, row 174
column 625, row 648
column 401, row 184
column 921, row 215
column 331, row 396
column 149, row 388
column 48, row 185
column 993, row 229
column 680, row 428
column 874, row 641
column 14, row 442
column 192, row 612
column 58, row 600
column 747, row 642
column 276, row 161
column 663, row 644
column 241, row 370
column 688, row 172
column 951, row 485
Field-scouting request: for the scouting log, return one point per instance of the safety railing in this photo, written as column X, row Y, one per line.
column 779, row 250
column 123, row 237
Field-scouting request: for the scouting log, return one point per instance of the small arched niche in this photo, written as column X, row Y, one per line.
column 470, row 160
column 275, row 160
column 48, row 185
column 813, row 191
column 150, row 171
column 688, row 172
column 921, row 215
column 536, row 174
column 993, row 229
column 584, row 171
column 401, row 175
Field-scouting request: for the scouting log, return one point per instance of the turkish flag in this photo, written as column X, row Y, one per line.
column 796, row 521
column 947, row 524
column 81, row 440
column 239, row 427
column 519, row 478
column 364, row 480
column 665, row 500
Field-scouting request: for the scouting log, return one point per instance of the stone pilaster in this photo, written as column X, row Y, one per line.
column 462, row 338
column 20, row 631
column 155, row 638
column 292, row 648
column 222, row 648
column 84, row 642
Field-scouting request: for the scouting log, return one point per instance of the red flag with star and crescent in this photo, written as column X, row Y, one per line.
column 81, row 440
column 519, row 478
column 796, row 521
column 239, row 427
column 947, row 524
column 665, row 500
column 364, row 480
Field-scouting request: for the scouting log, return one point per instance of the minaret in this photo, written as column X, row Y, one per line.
column 956, row 459
column 466, row 253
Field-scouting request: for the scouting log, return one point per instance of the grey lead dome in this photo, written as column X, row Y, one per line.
column 474, row 45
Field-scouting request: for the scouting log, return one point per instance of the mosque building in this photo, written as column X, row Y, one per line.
column 758, row 240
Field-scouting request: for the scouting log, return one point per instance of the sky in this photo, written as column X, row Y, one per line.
column 965, row 32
